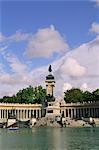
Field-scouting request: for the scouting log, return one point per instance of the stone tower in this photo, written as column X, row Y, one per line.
column 50, row 84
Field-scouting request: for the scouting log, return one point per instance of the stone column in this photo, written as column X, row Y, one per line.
column 15, row 113
column 36, row 114
column 4, row 113
column 96, row 113
column 18, row 114
column 79, row 113
column 68, row 114
column 39, row 113
column 29, row 113
column 33, row 113
column 26, row 114
column 0, row 113
column 71, row 113
column 64, row 113
column 93, row 112
column 23, row 114
column 82, row 112
column 74, row 113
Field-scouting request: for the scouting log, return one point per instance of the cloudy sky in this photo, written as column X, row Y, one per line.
column 34, row 34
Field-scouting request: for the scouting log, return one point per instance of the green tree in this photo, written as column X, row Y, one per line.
column 96, row 95
column 88, row 96
column 74, row 95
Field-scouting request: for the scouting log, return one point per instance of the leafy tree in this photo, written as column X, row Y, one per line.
column 87, row 96
column 76, row 95
column 27, row 95
column 96, row 95
column 73, row 95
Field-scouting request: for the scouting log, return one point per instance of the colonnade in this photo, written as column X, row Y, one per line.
column 80, row 112
column 20, row 113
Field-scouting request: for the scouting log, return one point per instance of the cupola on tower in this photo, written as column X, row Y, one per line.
column 50, row 84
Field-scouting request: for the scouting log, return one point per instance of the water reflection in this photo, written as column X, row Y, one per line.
column 50, row 139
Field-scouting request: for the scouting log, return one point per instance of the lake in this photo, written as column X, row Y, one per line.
column 50, row 139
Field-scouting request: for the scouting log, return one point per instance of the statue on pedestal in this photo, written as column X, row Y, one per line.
column 50, row 68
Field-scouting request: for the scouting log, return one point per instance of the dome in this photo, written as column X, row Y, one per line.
column 50, row 77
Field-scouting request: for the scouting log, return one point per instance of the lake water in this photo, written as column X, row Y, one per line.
column 50, row 139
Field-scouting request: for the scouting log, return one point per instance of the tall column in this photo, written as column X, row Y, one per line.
column 71, row 113
column 29, row 113
column 0, row 113
column 33, row 113
column 91, row 113
column 36, row 114
column 23, row 114
column 82, row 112
column 15, row 113
column 39, row 113
column 18, row 114
column 64, row 113
column 79, row 113
column 26, row 114
column 4, row 113
column 74, row 113
column 68, row 114
column 94, row 112
column 98, row 112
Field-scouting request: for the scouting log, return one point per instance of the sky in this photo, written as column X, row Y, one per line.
column 35, row 34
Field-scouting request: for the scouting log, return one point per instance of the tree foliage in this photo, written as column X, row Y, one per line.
column 76, row 95
column 28, row 95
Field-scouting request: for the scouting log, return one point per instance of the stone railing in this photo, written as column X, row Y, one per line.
column 79, row 104
column 18, row 104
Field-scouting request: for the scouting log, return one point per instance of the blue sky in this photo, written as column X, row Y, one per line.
column 32, row 31
column 72, row 19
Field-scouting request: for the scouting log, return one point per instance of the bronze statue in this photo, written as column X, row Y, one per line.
column 50, row 69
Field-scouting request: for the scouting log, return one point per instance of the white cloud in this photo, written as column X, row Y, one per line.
column 18, row 36
column 2, row 37
column 96, row 2
column 77, row 68
column 95, row 27
column 15, row 64
column 72, row 68
column 67, row 86
column 3, row 48
column 46, row 42
column 84, row 87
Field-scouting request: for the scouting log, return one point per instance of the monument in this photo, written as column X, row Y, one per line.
column 50, row 84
